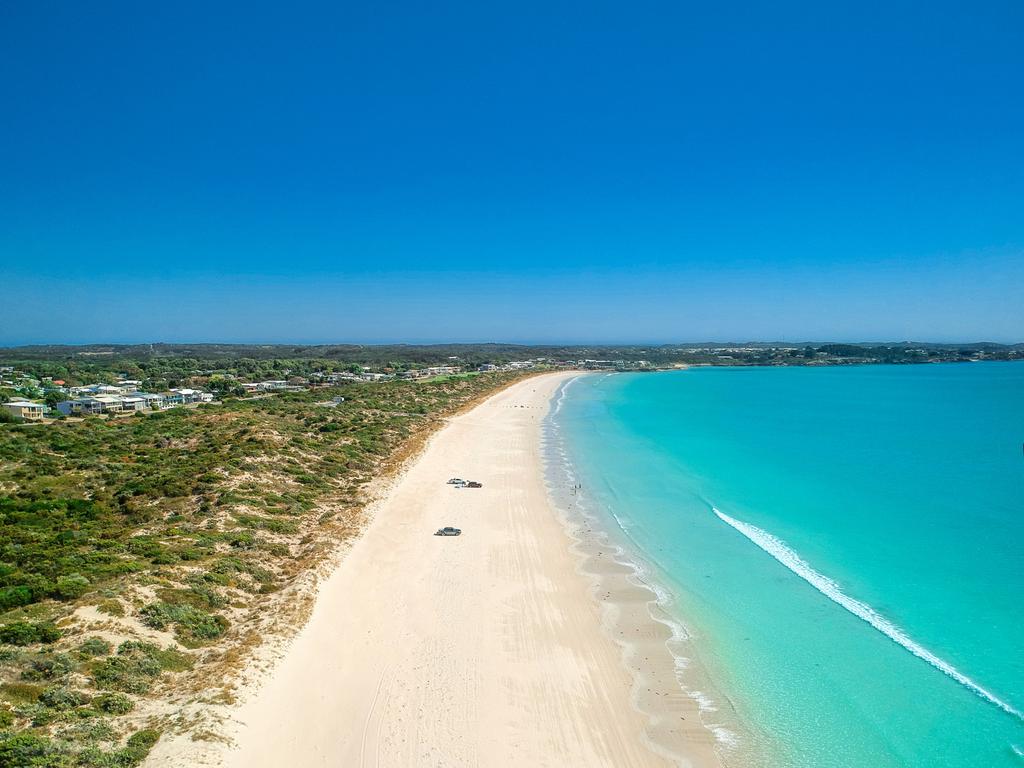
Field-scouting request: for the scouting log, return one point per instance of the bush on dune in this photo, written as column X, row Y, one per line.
column 28, row 633
column 135, row 667
column 192, row 625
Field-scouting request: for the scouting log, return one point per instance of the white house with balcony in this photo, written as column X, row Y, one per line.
column 25, row 409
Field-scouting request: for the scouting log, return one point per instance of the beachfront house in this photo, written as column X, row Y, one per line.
column 105, row 389
column 91, row 390
column 110, row 403
column 426, row 373
column 82, row 406
column 25, row 409
column 90, row 406
column 186, row 396
column 152, row 401
column 124, row 387
column 268, row 386
column 133, row 403
column 335, row 378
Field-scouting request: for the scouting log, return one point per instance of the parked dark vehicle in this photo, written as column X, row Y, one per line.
column 448, row 531
column 474, row 484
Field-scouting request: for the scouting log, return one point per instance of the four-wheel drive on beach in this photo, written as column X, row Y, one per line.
column 448, row 531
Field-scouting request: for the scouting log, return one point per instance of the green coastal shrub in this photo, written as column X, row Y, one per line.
column 29, row 750
column 139, row 744
column 62, row 697
column 113, row 703
column 28, row 633
column 111, row 607
column 169, row 659
column 21, row 693
column 135, row 667
column 38, row 714
column 191, row 624
column 47, row 667
column 241, row 540
column 14, row 597
column 267, row 523
column 159, row 615
column 95, row 646
column 128, row 673
column 19, row 633
column 199, row 594
column 21, row 750
column 89, row 731
column 70, row 587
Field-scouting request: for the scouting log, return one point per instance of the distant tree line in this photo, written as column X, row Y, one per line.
column 162, row 366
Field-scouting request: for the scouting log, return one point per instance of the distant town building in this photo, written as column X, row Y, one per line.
column 25, row 409
column 428, row 373
column 271, row 386
column 136, row 401
column 517, row 365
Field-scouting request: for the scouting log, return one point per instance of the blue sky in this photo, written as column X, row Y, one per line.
column 511, row 172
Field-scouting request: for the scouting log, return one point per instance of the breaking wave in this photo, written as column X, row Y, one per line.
column 561, row 394
column 778, row 549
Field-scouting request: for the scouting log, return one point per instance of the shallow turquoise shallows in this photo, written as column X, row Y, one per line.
column 845, row 544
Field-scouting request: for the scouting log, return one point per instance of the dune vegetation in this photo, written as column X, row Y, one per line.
column 144, row 559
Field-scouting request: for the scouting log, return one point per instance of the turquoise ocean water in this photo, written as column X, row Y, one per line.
column 845, row 545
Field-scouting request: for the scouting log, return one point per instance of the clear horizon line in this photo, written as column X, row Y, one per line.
column 532, row 343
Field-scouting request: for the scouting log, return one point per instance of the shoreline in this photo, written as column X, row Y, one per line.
column 636, row 615
column 484, row 649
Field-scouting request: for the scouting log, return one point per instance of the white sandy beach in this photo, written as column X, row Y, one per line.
column 485, row 649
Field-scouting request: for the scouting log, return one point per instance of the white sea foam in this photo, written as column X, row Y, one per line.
column 724, row 736
column 704, row 702
column 559, row 465
column 707, row 707
column 561, row 393
column 778, row 549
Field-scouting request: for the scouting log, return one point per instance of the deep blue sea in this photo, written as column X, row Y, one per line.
column 845, row 546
